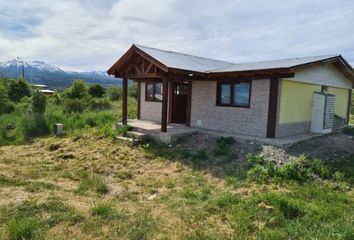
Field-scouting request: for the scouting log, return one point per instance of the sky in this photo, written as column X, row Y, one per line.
column 88, row 35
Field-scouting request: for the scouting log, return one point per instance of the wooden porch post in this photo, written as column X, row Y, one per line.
column 125, row 101
column 164, row 104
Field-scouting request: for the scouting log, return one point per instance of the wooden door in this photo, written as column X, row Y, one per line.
column 179, row 102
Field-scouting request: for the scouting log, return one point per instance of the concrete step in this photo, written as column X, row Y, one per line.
column 125, row 139
column 136, row 135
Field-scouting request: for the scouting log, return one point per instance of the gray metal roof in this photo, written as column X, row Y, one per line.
column 273, row 64
column 200, row 64
column 184, row 61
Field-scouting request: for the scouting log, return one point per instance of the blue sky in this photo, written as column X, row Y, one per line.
column 85, row 35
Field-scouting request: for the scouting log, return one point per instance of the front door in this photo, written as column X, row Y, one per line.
column 179, row 102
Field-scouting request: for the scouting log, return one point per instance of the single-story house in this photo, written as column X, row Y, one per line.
column 271, row 99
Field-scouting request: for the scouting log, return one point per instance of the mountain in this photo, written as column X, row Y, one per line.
column 39, row 72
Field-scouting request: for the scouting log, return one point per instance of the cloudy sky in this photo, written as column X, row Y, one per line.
column 85, row 35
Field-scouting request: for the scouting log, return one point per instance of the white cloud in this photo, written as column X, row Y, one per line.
column 92, row 34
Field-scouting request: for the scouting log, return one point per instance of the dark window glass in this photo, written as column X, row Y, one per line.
column 225, row 95
column 234, row 94
column 150, row 91
column 241, row 94
column 158, row 91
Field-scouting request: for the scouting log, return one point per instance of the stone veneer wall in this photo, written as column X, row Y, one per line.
column 149, row 110
column 246, row 121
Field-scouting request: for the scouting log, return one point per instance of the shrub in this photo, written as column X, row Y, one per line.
column 133, row 90
column 114, row 93
column 74, row 106
column 6, row 105
column 99, row 104
column 301, row 169
column 38, row 102
column 199, row 156
column 78, row 90
column 34, row 125
column 96, row 90
column 107, row 131
column 222, row 147
column 18, row 89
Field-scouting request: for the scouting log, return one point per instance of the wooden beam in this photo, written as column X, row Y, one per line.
column 144, row 75
column 164, row 104
column 139, row 100
column 189, row 105
column 349, row 106
column 272, row 107
column 125, row 101
column 148, row 68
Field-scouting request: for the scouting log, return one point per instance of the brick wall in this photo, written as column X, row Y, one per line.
column 247, row 121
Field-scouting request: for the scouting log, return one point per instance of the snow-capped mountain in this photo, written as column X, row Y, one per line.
column 39, row 72
column 39, row 65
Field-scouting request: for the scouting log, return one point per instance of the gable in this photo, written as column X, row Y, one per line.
column 322, row 74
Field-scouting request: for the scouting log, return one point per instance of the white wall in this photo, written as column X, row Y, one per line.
column 324, row 74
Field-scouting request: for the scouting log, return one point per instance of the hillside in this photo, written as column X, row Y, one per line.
column 39, row 72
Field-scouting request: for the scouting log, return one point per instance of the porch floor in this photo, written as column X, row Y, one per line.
column 177, row 131
column 153, row 129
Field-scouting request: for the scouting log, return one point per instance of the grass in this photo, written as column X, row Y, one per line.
column 13, row 129
column 110, row 190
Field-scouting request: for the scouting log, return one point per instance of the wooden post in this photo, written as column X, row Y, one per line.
column 272, row 107
column 125, row 101
column 139, row 100
column 164, row 104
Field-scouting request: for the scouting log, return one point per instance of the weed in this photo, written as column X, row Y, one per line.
column 92, row 182
column 103, row 210
column 24, row 228
column 199, row 156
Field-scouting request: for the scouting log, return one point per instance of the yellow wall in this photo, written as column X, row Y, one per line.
column 341, row 101
column 296, row 101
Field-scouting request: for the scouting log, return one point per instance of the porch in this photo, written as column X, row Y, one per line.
column 180, row 131
column 153, row 129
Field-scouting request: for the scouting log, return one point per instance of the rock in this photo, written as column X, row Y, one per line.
column 152, row 197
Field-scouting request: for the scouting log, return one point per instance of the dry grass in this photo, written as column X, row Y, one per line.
column 90, row 187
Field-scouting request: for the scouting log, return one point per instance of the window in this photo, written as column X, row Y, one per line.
column 234, row 94
column 153, row 91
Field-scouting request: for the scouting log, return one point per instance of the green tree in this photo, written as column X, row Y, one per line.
column 133, row 90
column 77, row 90
column 18, row 89
column 5, row 104
column 97, row 90
column 114, row 93
column 38, row 102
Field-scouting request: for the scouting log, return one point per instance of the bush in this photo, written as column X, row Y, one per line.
column 34, row 125
column 133, row 91
column 223, row 147
column 18, row 89
column 300, row 170
column 99, row 104
column 38, row 102
column 114, row 93
column 6, row 105
column 97, row 90
column 78, row 90
column 74, row 106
